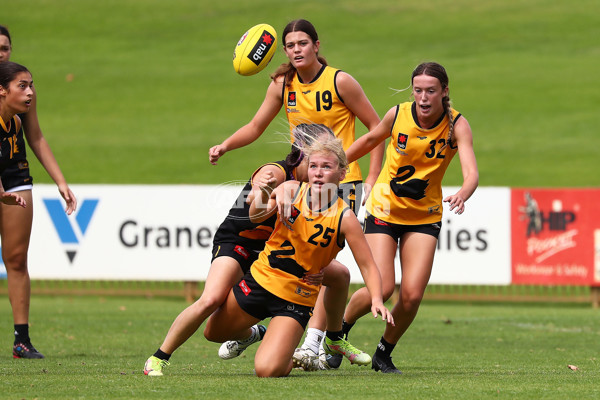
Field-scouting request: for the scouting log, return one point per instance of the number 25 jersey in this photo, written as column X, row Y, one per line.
column 306, row 245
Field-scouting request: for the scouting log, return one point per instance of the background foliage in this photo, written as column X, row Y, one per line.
column 136, row 91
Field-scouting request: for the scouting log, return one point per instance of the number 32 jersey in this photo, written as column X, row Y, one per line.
column 408, row 190
column 305, row 243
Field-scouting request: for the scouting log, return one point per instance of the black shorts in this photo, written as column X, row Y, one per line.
column 245, row 257
column 375, row 225
column 351, row 193
column 16, row 176
column 262, row 304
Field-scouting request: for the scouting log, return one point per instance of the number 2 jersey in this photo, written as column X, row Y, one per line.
column 319, row 102
column 408, row 190
column 307, row 244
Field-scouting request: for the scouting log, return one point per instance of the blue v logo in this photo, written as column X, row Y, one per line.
column 66, row 230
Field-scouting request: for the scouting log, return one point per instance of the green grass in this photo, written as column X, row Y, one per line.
column 96, row 348
column 153, row 87
column 136, row 91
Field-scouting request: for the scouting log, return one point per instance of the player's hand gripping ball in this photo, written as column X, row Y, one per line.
column 254, row 50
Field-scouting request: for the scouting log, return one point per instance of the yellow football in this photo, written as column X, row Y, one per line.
column 255, row 49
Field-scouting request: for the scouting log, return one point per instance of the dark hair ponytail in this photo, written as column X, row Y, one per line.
column 4, row 32
column 8, row 72
column 287, row 70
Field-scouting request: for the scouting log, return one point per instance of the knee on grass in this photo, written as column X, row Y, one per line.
column 272, row 369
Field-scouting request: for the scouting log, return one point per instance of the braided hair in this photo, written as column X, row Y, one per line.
column 437, row 71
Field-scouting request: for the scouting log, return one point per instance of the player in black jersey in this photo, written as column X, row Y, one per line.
column 16, row 222
column 15, row 95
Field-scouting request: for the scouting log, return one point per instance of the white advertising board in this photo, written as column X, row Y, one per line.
column 127, row 232
column 473, row 248
column 165, row 232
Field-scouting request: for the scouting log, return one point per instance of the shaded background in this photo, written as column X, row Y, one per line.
column 137, row 91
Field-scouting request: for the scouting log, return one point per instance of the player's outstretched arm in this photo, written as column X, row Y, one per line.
column 252, row 130
column 352, row 232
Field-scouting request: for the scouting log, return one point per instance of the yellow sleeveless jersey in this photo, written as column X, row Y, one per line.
column 318, row 102
column 408, row 190
column 305, row 243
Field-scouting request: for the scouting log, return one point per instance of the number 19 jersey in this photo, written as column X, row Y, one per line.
column 319, row 102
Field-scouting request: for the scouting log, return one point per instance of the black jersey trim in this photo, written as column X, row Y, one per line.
column 335, row 86
column 457, row 117
column 413, row 109
column 327, row 207
column 337, row 240
column 298, row 191
column 316, row 76
column 289, row 173
column 15, row 123
column 395, row 119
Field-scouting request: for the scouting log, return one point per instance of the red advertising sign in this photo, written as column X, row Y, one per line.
column 555, row 236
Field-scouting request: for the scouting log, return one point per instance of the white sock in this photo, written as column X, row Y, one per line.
column 254, row 336
column 313, row 339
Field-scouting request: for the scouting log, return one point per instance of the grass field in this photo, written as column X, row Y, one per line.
column 96, row 348
column 136, row 91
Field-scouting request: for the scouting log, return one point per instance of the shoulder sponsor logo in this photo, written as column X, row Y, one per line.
column 291, row 100
column 401, row 141
column 294, row 216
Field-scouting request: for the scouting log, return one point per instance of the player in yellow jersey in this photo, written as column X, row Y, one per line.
column 405, row 207
column 312, row 92
column 237, row 244
column 303, row 241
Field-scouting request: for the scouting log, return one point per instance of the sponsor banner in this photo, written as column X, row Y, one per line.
column 165, row 232
column 128, row 232
column 473, row 248
column 555, row 239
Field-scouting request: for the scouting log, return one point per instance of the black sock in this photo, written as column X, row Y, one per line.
column 22, row 333
column 162, row 355
column 384, row 348
column 346, row 328
column 337, row 335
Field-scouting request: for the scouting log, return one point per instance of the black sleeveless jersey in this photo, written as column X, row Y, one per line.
column 9, row 143
column 237, row 227
column 15, row 169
